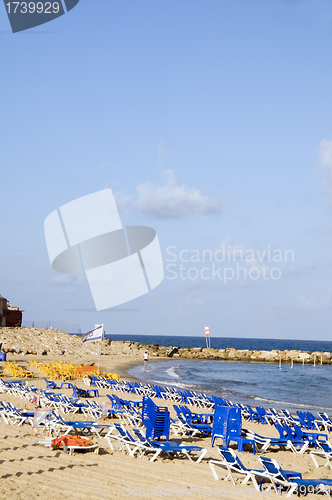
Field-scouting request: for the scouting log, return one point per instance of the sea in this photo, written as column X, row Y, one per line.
column 303, row 387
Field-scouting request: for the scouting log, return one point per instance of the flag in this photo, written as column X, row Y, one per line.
column 40, row 415
column 94, row 335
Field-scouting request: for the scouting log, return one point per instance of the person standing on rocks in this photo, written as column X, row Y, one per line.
column 145, row 359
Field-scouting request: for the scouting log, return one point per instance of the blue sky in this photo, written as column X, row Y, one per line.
column 211, row 122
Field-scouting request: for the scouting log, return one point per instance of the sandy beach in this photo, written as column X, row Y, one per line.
column 30, row 470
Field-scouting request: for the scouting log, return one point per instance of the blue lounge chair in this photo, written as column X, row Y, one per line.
column 158, row 391
column 79, row 393
column 297, row 445
column 70, row 405
column 295, row 439
column 123, row 404
column 263, row 443
column 308, row 421
column 191, row 428
column 288, row 417
column 171, row 447
column 50, row 384
column 232, row 463
column 65, row 427
column 253, row 415
column 196, row 418
column 132, row 446
column 292, row 481
column 125, row 441
column 12, row 415
column 314, row 422
column 263, row 416
column 218, row 401
column 324, row 452
column 324, row 421
column 313, row 437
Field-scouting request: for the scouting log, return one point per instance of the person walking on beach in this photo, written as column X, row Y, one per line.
column 145, row 359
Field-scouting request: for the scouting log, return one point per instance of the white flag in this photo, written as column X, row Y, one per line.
column 94, row 335
column 40, row 415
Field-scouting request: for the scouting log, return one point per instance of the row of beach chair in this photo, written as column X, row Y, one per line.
column 272, row 474
column 158, row 424
column 258, row 414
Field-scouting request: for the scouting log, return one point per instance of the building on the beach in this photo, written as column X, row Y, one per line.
column 9, row 315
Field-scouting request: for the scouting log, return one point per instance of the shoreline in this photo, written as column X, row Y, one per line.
column 227, row 393
column 122, row 366
column 23, row 344
column 120, row 363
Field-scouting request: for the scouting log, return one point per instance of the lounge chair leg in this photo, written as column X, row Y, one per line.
column 213, row 470
column 155, row 455
column 204, row 452
column 291, row 490
column 110, row 443
column 314, row 460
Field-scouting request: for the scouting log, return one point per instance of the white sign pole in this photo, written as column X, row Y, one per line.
column 207, row 336
column 99, row 347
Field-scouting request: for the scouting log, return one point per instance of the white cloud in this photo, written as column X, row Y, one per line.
column 325, row 160
column 306, row 303
column 169, row 201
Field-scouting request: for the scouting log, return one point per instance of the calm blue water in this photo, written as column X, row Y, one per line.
column 224, row 342
column 258, row 384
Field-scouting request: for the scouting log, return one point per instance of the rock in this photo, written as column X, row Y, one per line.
column 162, row 351
column 41, row 341
column 152, row 347
column 117, row 344
column 209, row 353
column 304, row 355
column 186, row 354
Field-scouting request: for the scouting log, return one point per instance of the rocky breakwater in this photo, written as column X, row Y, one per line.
column 39, row 341
column 274, row 356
